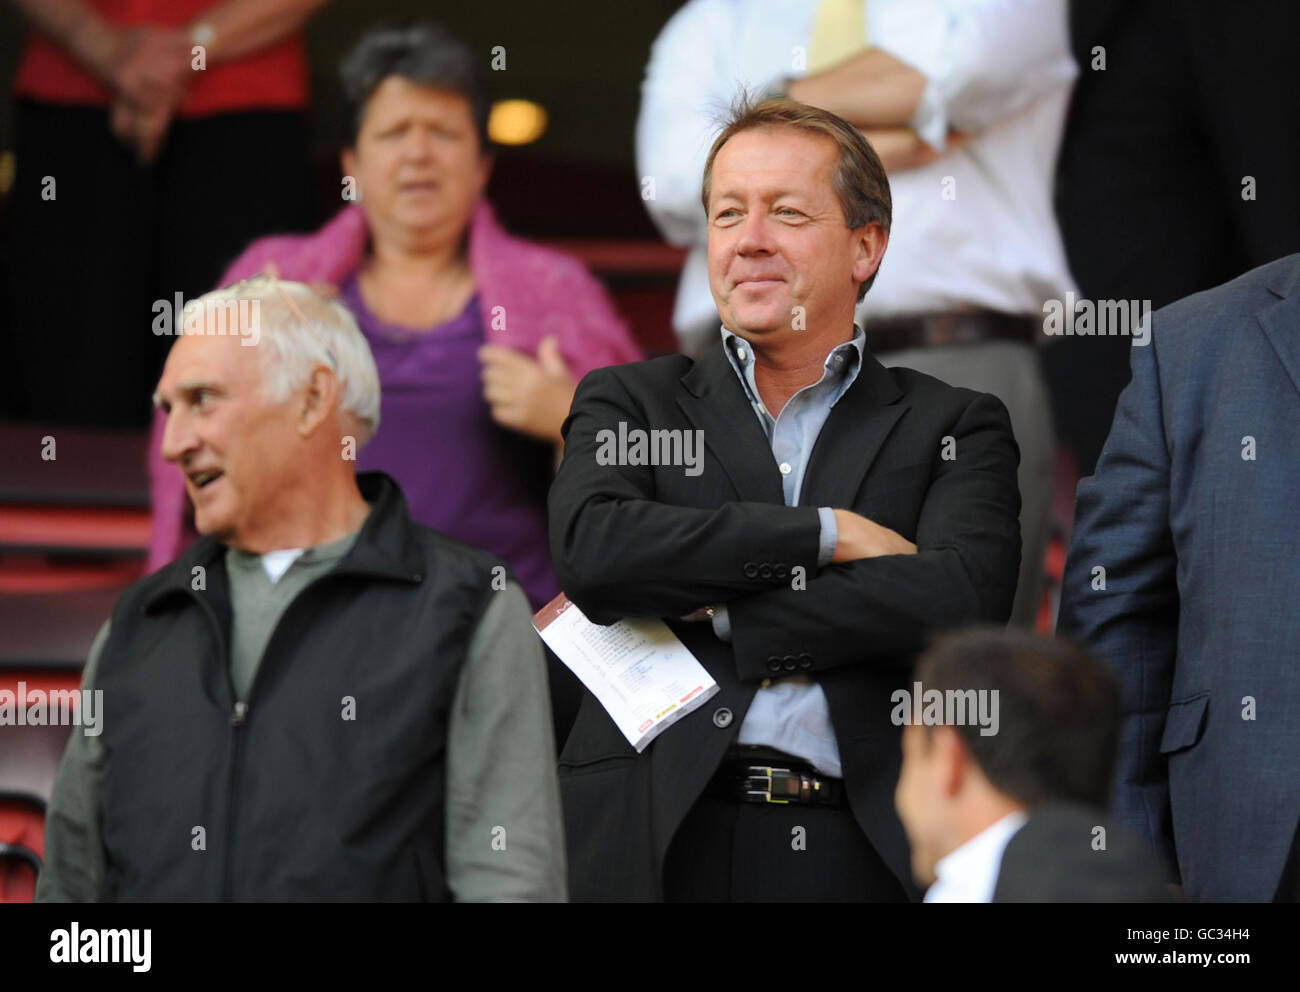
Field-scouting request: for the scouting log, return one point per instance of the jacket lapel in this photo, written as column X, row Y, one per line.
column 852, row 437
column 715, row 403
column 1281, row 322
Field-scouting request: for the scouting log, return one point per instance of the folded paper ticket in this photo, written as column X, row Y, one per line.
column 637, row 669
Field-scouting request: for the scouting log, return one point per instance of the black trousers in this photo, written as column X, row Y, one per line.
column 79, row 273
column 747, row 852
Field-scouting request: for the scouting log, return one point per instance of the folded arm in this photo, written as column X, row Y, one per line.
column 620, row 552
column 942, row 66
column 963, row 571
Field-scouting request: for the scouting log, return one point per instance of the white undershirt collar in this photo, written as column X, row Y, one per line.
column 276, row 563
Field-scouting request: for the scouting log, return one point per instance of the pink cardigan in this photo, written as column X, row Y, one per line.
column 540, row 292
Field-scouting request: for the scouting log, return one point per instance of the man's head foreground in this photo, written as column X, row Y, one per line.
column 798, row 211
column 1056, row 738
column 266, row 436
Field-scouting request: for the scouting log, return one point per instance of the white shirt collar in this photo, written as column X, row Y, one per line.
column 970, row 873
column 277, row 563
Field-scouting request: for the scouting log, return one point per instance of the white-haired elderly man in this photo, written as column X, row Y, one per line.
column 320, row 700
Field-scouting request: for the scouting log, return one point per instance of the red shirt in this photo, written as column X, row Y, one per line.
column 274, row 77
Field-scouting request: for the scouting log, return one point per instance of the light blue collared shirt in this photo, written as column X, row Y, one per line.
column 791, row 713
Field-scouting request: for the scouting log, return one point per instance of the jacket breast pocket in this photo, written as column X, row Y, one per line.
column 1185, row 723
column 899, row 480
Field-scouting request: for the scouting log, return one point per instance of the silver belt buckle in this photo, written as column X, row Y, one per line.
column 764, row 780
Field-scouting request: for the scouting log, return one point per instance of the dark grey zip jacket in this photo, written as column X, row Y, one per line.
column 294, row 801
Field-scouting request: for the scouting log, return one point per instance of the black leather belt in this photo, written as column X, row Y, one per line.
column 760, row 775
column 934, row 329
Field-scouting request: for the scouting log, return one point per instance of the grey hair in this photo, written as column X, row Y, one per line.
column 298, row 330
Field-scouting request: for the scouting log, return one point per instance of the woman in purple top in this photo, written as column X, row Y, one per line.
column 479, row 337
column 475, row 479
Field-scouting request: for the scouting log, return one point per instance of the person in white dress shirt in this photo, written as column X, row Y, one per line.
column 966, row 796
column 964, row 101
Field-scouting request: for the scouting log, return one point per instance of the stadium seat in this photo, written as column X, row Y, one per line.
column 22, row 845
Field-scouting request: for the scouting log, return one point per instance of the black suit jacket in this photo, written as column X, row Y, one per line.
column 653, row 541
column 1054, row 858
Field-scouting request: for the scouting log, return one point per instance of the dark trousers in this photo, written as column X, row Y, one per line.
column 747, row 852
column 79, row 273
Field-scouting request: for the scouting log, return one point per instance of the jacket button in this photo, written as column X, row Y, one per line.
column 790, row 663
column 722, row 717
column 765, row 571
column 751, row 570
column 805, row 660
column 781, row 571
column 773, row 664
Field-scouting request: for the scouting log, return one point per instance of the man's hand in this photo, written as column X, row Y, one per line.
column 696, row 616
column 871, row 89
column 526, row 395
column 859, row 537
column 901, row 148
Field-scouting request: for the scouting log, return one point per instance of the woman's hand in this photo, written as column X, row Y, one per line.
column 150, row 75
column 152, row 68
column 529, row 396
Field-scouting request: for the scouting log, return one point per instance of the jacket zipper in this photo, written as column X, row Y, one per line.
column 238, row 717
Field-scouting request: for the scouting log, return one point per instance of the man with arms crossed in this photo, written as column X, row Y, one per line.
column 841, row 513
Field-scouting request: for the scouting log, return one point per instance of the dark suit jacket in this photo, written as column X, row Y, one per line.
column 653, row 541
column 1053, row 858
column 1202, row 568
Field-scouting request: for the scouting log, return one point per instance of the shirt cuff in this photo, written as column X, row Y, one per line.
column 830, row 536
column 930, row 120
column 722, row 623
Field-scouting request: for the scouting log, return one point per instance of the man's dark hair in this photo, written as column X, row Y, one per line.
column 858, row 177
column 1058, row 712
column 423, row 53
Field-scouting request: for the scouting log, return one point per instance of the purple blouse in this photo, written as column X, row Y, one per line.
column 462, row 473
